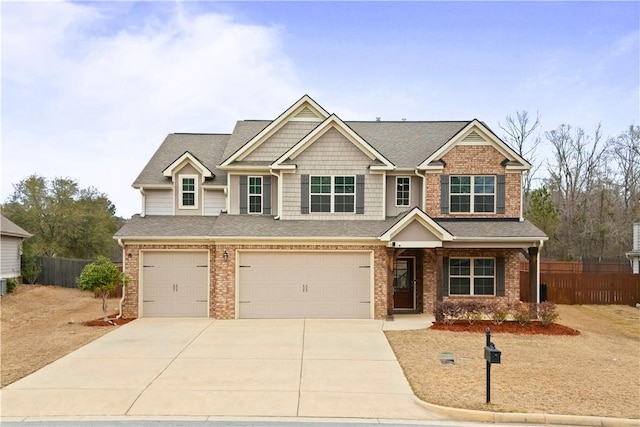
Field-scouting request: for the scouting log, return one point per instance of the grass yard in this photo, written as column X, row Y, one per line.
column 36, row 327
column 596, row 373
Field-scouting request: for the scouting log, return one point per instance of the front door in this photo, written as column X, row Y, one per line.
column 404, row 284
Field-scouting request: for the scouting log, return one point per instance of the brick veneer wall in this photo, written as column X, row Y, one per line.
column 222, row 273
column 512, row 274
column 474, row 160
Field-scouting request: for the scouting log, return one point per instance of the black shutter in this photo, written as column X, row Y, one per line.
column 243, row 194
column 266, row 194
column 445, row 276
column 500, row 276
column 304, row 194
column 444, row 194
column 500, row 194
column 359, row 194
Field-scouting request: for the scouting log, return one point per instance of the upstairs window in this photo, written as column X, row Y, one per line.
column 472, row 276
column 472, row 194
column 255, row 194
column 332, row 193
column 403, row 190
column 188, row 193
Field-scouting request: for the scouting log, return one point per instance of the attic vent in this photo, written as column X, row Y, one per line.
column 474, row 136
column 306, row 113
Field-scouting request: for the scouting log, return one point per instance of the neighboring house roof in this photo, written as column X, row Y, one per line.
column 9, row 228
column 264, row 226
column 207, row 148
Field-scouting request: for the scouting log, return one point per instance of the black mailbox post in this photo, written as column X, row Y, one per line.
column 491, row 355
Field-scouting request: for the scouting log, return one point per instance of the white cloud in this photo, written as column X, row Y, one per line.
column 92, row 104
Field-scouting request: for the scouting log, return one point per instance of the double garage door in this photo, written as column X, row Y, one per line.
column 175, row 284
column 304, row 285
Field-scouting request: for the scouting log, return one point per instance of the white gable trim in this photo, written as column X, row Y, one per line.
column 476, row 126
column 416, row 214
column 188, row 157
column 303, row 104
column 334, row 122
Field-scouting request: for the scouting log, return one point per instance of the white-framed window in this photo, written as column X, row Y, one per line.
column 403, row 190
column 472, row 276
column 475, row 194
column 332, row 193
column 189, row 191
column 255, row 194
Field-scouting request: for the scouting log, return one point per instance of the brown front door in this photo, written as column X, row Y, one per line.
column 404, row 284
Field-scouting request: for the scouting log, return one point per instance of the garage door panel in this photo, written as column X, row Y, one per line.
column 305, row 284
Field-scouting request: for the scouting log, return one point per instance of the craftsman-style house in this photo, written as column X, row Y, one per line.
column 310, row 216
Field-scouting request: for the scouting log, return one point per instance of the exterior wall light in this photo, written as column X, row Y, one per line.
column 225, row 255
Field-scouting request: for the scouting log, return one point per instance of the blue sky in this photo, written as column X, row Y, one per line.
column 90, row 89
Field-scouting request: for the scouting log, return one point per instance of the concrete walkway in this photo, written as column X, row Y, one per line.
column 205, row 367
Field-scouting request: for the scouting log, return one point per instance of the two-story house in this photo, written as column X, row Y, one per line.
column 309, row 216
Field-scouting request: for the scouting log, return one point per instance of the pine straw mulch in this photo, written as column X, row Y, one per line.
column 594, row 373
column 508, row 327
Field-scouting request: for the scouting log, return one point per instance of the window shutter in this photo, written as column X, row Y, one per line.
column 266, row 194
column 500, row 194
column 445, row 276
column 304, row 194
column 500, row 276
column 359, row 194
column 243, row 194
column 444, row 194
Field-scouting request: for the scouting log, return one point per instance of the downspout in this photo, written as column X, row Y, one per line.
column 522, row 196
column 279, row 176
column 423, row 201
column 538, row 267
column 142, row 211
column 124, row 260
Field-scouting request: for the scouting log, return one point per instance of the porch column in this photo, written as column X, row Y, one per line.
column 390, row 266
column 533, row 280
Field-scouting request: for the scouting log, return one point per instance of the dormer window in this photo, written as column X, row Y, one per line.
column 188, row 192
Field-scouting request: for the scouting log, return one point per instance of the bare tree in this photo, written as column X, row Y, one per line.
column 519, row 132
column 626, row 154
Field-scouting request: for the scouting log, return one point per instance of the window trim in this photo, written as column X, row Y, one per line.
column 472, row 277
column 332, row 194
column 472, row 195
column 195, row 191
column 249, row 194
column 408, row 192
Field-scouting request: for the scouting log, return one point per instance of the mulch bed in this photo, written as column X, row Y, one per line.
column 112, row 322
column 509, row 327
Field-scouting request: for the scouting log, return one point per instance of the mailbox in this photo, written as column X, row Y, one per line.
column 492, row 354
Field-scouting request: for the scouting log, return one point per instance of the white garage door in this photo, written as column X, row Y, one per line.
column 304, row 285
column 175, row 284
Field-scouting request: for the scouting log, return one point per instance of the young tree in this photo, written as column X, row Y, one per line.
column 544, row 215
column 102, row 277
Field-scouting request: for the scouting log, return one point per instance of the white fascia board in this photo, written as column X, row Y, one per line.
column 496, row 142
column 500, row 239
column 215, row 187
column 298, row 240
column 425, row 221
column 335, row 122
column 246, row 168
column 284, row 167
column 488, row 245
column 254, row 142
column 187, row 156
column 414, row 245
column 155, row 187
column 383, row 168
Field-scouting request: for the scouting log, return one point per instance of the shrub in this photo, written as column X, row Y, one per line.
column 102, row 277
column 498, row 312
column 447, row 311
column 30, row 268
column 471, row 310
column 521, row 313
column 548, row 313
column 12, row 284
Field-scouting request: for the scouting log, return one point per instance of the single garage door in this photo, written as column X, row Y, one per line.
column 304, row 285
column 175, row 284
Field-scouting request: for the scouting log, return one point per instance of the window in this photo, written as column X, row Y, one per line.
column 472, row 194
column 188, row 199
column 472, row 276
column 255, row 194
column 403, row 190
column 332, row 194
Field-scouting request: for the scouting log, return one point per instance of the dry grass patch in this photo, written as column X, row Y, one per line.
column 35, row 328
column 596, row 373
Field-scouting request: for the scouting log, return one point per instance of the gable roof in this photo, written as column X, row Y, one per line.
column 334, row 122
column 305, row 108
column 193, row 160
column 9, row 228
column 417, row 215
column 478, row 132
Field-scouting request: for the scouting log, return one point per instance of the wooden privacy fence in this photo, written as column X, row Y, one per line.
column 64, row 272
column 585, row 288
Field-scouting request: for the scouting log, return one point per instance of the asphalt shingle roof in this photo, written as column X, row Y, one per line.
column 9, row 228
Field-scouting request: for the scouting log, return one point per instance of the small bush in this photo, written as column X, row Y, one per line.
column 472, row 310
column 447, row 311
column 498, row 312
column 521, row 313
column 12, row 284
column 548, row 313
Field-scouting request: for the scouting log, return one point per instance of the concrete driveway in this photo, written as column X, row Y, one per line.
column 205, row 367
